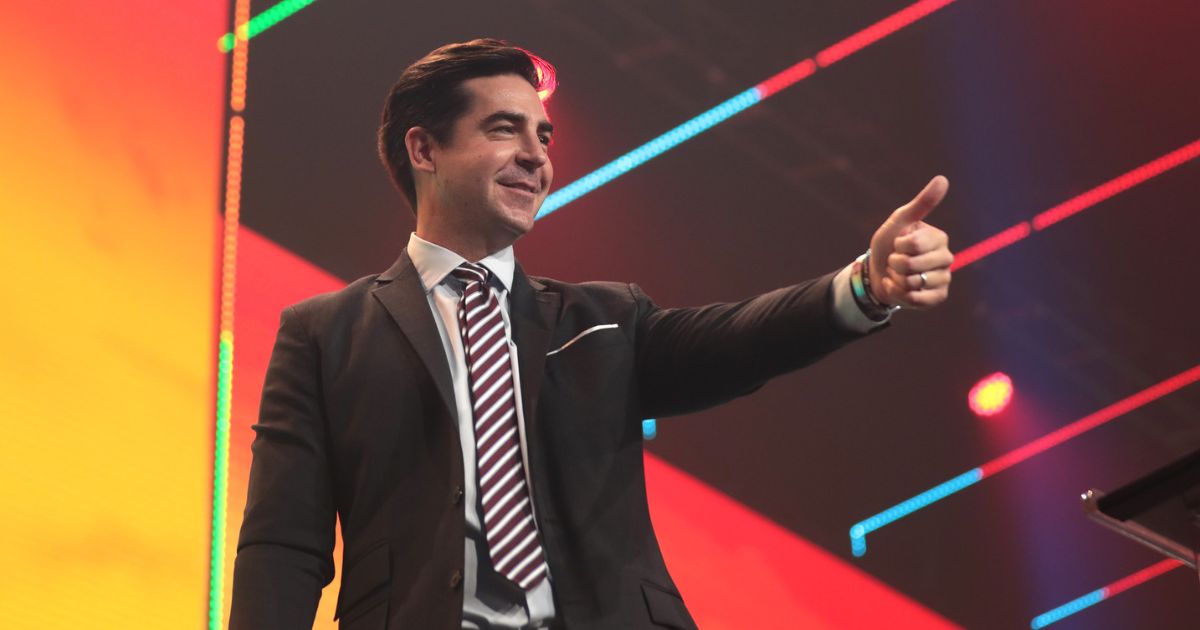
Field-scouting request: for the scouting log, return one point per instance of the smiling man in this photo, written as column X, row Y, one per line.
column 478, row 430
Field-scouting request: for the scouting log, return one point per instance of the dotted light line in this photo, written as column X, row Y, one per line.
column 790, row 76
column 859, row 531
column 1101, row 594
column 248, row 29
column 1076, row 204
column 232, row 211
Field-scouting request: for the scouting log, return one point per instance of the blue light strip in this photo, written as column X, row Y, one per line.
column 858, row 533
column 1068, row 609
column 649, row 151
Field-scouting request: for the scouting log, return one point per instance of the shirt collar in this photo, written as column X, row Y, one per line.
column 434, row 262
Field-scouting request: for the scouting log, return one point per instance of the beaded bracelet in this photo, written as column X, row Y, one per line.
column 860, row 287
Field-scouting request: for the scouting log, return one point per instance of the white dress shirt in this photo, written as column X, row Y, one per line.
column 489, row 599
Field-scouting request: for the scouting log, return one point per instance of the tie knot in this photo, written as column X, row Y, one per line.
column 470, row 272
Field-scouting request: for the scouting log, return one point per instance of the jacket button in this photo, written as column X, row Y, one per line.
column 455, row 579
column 456, row 496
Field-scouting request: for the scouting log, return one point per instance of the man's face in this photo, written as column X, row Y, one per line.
column 494, row 172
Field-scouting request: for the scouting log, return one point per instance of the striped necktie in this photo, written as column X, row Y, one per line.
column 512, row 537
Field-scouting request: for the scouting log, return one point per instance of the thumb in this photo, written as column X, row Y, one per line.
column 922, row 204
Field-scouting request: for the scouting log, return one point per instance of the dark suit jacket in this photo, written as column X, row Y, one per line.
column 357, row 421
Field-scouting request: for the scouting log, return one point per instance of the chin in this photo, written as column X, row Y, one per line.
column 520, row 220
column 522, row 225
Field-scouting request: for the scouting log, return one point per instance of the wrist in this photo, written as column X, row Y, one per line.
column 864, row 297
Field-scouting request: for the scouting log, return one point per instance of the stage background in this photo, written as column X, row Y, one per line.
column 110, row 144
column 115, row 125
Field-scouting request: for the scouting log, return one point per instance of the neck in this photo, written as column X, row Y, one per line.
column 467, row 243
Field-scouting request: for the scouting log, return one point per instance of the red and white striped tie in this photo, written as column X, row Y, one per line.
column 512, row 537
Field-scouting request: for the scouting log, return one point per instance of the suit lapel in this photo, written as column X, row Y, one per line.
column 534, row 311
column 402, row 294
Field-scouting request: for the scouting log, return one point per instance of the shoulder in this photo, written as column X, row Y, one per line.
column 593, row 290
column 607, row 299
column 331, row 305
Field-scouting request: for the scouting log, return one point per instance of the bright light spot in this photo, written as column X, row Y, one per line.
column 991, row 395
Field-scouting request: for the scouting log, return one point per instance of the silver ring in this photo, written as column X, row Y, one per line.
column 924, row 280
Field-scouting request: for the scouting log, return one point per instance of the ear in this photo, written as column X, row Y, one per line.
column 420, row 145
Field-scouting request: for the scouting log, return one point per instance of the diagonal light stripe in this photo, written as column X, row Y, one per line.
column 724, row 111
column 858, row 533
column 648, row 151
column 878, row 31
column 1101, row 594
column 1077, row 204
column 261, row 22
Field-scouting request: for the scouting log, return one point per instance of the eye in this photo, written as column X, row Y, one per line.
column 545, row 139
column 505, row 128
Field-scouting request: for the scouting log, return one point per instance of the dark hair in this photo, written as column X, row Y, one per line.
column 429, row 94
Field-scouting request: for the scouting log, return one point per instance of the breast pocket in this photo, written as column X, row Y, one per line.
column 600, row 334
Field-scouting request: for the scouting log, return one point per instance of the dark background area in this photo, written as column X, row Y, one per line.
column 1022, row 104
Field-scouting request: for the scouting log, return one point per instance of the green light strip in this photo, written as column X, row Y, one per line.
column 261, row 22
column 216, row 582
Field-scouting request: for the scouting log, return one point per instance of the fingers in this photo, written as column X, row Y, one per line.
column 908, row 265
column 933, row 279
column 928, row 298
column 925, row 238
column 899, row 289
column 923, row 203
column 905, row 247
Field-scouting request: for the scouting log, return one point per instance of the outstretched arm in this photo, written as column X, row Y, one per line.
column 693, row 358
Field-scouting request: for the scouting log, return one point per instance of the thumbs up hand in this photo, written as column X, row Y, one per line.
column 910, row 259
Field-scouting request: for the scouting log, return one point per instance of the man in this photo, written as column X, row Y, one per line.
column 477, row 430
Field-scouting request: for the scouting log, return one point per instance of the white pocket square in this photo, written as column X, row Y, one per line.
column 581, row 335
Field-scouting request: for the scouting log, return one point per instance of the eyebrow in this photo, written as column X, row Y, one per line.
column 517, row 118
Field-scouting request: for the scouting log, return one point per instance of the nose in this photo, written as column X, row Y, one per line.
column 532, row 155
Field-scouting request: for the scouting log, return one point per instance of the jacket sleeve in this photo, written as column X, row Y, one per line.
column 285, row 548
column 690, row 359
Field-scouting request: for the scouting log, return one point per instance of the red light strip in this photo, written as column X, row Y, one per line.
column 1075, row 205
column 1091, row 421
column 1120, row 184
column 790, row 76
column 1141, row 577
column 878, row 31
column 991, row 245
column 793, row 75
column 1079, row 604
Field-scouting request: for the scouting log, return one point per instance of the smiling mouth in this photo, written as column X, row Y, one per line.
column 521, row 187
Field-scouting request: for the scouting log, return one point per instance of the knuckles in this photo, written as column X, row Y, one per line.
column 901, row 263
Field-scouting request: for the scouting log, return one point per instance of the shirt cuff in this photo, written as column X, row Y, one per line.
column 845, row 310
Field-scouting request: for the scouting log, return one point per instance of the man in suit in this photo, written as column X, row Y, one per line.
column 478, row 430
